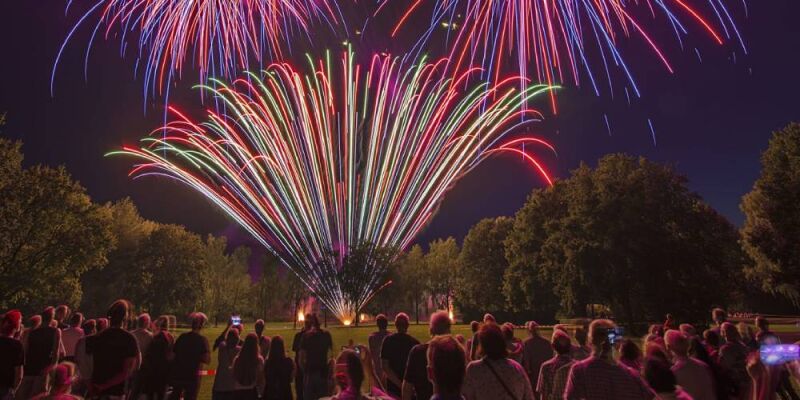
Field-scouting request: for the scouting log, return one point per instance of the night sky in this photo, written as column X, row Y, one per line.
column 712, row 118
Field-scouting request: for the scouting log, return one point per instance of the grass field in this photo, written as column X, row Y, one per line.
column 341, row 337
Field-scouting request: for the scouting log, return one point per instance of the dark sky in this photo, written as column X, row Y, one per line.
column 712, row 118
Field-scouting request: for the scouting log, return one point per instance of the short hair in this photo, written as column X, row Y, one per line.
column 711, row 337
column 492, row 342
column 162, row 323
column 598, row 331
column 118, row 312
column 198, row 320
column 474, row 326
column 659, row 376
column 581, row 336
column 508, row 331
column 11, row 322
column 143, row 321
column 561, row 343
column 76, row 320
column 382, row 322
column 440, row 323
column 47, row 315
column 35, row 320
column 447, row 362
column 89, row 327
column 401, row 321
column 259, row 326
column 719, row 314
column 687, row 329
column 489, row 318
column 677, row 342
column 729, row 331
column 313, row 320
column 62, row 311
column 102, row 324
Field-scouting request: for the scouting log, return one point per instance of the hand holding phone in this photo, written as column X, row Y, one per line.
column 236, row 320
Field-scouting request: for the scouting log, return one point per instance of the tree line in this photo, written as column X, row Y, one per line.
column 626, row 237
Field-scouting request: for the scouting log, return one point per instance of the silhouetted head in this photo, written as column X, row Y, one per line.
column 446, row 365
column 401, row 322
column 440, row 323
column 382, row 322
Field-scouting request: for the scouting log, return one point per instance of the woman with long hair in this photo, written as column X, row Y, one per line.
column 278, row 372
column 353, row 368
column 248, row 370
column 227, row 351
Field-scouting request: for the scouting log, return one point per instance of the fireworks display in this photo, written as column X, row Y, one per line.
column 216, row 37
column 560, row 41
column 341, row 155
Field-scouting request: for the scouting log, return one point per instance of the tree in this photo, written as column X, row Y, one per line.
column 442, row 267
column 50, row 233
column 412, row 267
column 103, row 285
column 228, row 285
column 482, row 265
column 269, row 289
column 771, row 232
column 628, row 234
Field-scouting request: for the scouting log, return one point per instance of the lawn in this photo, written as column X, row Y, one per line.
column 341, row 337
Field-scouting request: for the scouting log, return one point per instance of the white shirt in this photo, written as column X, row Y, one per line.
column 69, row 338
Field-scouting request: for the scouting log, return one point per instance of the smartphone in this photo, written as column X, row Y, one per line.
column 357, row 349
column 775, row 354
column 614, row 335
column 236, row 320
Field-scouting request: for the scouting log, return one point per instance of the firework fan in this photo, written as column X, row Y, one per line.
column 344, row 156
column 558, row 41
column 216, row 37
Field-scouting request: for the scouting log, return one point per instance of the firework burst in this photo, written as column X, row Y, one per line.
column 347, row 154
column 216, row 37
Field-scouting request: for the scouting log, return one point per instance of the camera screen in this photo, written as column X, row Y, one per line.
column 779, row 353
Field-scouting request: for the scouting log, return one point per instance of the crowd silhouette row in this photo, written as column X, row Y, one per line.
column 61, row 356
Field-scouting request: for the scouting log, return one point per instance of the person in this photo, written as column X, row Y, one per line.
column 298, row 376
column 154, row 374
column 71, row 335
column 513, row 345
column 316, row 349
column 61, row 378
column 669, row 323
column 764, row 335
column 224, row 384
column 375, row 342
column 446, row 368
column 658, row 375
column 41, row 353
column 263, row 340
column 712, row 342
column 535, row 351
column 546, row 376
column 489, row 319
column 191, row 351
column 472, row 343
column 655, row 335
column 582, row 350
column 394, row 355
column 142, row 332
column 83, row 360
column 415, row 378
column 748, row 337
column 693, row 375
column 278, row 372
column 248, row 370
column 495, row 376
column 60, row 317
column 630, row 355
column 733, row 361
column 719, row 317
column 599, row 377
column 114, row 354
column 688, row 330
column 12, row 354
column 102, row 324
column 766, row 379
column 34, row 322
column 354, row 367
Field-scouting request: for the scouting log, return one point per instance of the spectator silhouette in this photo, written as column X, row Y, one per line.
column 599, row 377
column 228, row 349
column 630, row 355
column 248, row 370
column 495, row 376
column 298, row 338
column 661, row 379
column 353, row 368
column 415, row 378
column 546, row 387
column 316, row 348
column 42, row 351
column 114, row 354
column 278, row 372
column 154, row 374
column 71, row 335
column 12, row 354
column 693, row 375
column 263, row 340
column 733, row 361
column 375, row 342
column 446, row 368
column 536, row 350
column 61, row 378
column 191, row 352
column 394, row 355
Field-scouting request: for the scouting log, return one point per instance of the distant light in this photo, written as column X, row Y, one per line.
column 347, row 322
column 300, row 316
